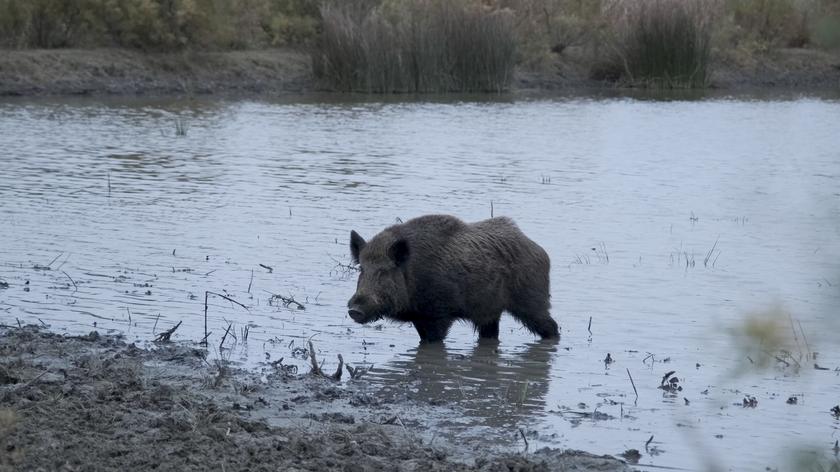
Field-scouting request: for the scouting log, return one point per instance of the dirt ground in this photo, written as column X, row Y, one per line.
column 96, row 403
column 783, row 68
column 127, row 72
column 283, row 71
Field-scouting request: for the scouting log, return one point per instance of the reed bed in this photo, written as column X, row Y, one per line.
column 416, row 47
column 666, row 43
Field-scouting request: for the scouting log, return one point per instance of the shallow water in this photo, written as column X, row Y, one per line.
column 668, row 222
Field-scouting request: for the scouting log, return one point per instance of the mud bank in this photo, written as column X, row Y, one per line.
column 127, row 72
column 787, row 68
column 96, row 403
column 285, row 71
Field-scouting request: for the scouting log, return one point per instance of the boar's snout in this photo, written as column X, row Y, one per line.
column 357, row 315
column 357, row 311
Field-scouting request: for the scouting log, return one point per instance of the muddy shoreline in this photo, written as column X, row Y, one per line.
column 95, row 402
column 277, row 72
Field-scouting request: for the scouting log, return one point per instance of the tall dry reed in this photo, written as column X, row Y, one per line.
column 666, row 43
column 416, row 46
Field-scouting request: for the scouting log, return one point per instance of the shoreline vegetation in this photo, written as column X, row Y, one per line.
column 176, row 47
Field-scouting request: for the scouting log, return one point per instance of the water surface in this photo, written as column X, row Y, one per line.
column 667, row 221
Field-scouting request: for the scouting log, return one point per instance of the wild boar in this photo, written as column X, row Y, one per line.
column 436, row 269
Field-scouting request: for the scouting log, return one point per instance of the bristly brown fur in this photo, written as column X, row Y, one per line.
column 436, row 269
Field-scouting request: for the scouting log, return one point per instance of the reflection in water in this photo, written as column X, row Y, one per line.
column 492, row 389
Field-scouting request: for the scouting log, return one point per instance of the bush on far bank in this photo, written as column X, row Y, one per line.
column 541, row 26
column 156, row 25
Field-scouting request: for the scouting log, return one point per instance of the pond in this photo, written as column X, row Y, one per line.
column 669, row 222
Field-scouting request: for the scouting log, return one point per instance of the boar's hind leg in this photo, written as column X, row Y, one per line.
column 489, row 330
column 534, row 315
column 540, row 323
column 433, row 331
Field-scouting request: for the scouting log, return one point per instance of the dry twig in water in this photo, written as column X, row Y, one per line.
column 221, row 344
column 286, row 301
column 207, row 294
column 166, row 335
column 357, row 372
column 522, row 433
column 316, row 369
column 75, row 287
column 633, row 384
column 342, row 269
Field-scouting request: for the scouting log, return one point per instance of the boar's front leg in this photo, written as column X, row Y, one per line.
column 489, row 330
column 433, row 330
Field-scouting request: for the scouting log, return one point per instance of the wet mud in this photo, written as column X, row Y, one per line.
column 95, row 402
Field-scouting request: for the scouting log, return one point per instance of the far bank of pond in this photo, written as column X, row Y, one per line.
column 272, row 72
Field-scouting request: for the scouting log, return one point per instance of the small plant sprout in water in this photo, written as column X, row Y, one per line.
column 181, row 126
column 684, row 259
column 597, row 255
column 523, row 394
column 601, row 253
column 711, row 256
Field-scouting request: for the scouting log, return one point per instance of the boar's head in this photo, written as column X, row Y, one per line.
column 381, row 290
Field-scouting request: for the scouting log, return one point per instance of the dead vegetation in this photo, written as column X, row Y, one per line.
column 285, row 301
column 166, row 336
column 344, row 270
column 316, row 368
column 670, row 383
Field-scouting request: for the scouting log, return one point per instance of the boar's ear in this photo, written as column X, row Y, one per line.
column 398, row 251
column 357, row 243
